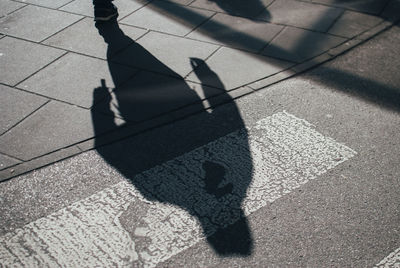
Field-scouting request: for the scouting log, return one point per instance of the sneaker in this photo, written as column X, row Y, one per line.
column 105, row 13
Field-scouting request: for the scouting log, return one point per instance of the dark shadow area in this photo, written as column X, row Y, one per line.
column 249, row 9
column 209, row 181
column 360, row 87
column 386, row 95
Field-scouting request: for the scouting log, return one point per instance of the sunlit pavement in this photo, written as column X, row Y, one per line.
column 200, row 133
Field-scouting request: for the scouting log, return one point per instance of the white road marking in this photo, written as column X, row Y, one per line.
column 392, row 260
column 286, row 152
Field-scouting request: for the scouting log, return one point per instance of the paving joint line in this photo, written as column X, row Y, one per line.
column 59, row 31
column 21, row 7
column 205, row 60
column 46, row 7
column 11, row 156
column 42, row 68
column 335, row 20
column 25, row 117
column 66, row 4
column 201, row 24
column 146, row 4
column 272, row 39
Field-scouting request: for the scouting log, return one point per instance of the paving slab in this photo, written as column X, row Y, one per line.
column 165, row 53
column 7, row 6
column 28, row 22
column 248, row 9
column 73, row 78
column 235, row 68
column 369, row 6
column 54, row 126
column 236, row 32
column 48, row 3
column 6, row 161
column 83, row 7
column 16, row 64
column 168, row 17
column 298, row 45
column 301, row 14
column 353, row 23
column 83, row 37
column 15, row 105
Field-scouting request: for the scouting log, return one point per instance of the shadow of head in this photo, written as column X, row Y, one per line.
column 211, row 165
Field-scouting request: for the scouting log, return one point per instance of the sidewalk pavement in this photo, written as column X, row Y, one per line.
column 162, row 59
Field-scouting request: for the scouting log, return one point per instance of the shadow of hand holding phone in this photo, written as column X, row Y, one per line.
column 211, row 164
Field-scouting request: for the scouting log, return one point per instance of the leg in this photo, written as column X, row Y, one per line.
column 104, row 10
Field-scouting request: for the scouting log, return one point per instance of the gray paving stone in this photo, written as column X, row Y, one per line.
column 15, row 105
column 168, row 17
column 56, row 125
column 248, row 9
column 48, row 3
column 353, row 23
column 236, row 32
column 6, row 7
column 35, row 23
column 17, row 64
column 235, row 68
column 301, row 14
column 73, row 78
column 148, row 95
column 165, row 53
column 85, row 7
column 6, row 161
column 38, row 162
column 83, row 37
column 298, row 45
column 370, row 6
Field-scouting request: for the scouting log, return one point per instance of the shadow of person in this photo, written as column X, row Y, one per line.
column 211, row 166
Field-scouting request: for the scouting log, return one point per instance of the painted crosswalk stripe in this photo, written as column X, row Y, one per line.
column 392, row 260
column 286, row 152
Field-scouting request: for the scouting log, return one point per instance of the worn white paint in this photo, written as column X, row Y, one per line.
column 280, row 153
column 392, row 260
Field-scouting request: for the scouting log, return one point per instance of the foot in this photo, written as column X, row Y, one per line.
column 105, row 13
